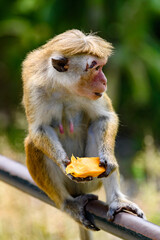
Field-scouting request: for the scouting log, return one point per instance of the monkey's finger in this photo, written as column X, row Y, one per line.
column 110, row 168
column 94, row 228
column 71, row 177
column 66, row 162
column 105, row 174
column 102, row 175
column 78, row 179
column 103, row 164
column 88, row 224
column 89, row 178
column 142, row 215
column 111, row 214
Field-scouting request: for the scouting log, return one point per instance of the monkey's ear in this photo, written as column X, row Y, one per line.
column 61, row 65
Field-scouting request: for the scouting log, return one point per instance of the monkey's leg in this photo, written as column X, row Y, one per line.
column 45, row 173
column 85, row 234
column 116, row 200
column 50, row 178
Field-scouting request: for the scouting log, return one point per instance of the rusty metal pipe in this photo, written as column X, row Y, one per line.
column 125, row 225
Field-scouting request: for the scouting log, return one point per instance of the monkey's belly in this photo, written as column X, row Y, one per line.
column 74, row 145
column 76, row 189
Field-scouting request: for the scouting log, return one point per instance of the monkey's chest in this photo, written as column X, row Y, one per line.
column 72, row 132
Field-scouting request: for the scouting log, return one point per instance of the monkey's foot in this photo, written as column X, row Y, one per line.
column 76, row 209
column 121, row 205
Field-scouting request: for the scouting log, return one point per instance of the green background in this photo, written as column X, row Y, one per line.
column 133, row 71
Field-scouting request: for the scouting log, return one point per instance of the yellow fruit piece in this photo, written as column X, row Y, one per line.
column 84, row 167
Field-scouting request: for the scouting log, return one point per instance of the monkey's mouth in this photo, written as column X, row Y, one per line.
column 98, row 94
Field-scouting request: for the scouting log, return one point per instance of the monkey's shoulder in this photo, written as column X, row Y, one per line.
column 77, row 107
column 97, row 108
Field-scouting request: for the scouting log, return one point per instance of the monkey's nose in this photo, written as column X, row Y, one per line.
column 104, row 82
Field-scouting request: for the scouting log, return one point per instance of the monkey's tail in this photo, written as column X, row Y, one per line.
column 84, row 233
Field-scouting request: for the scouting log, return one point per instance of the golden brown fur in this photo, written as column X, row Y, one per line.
column 69, row 112
column 74, row 42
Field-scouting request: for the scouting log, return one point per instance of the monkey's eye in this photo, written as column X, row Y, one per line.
column 97, row 68
column 93, row 64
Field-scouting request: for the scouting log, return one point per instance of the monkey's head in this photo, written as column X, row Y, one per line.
column 77, row 61
column 74, row 62
column 83, row 75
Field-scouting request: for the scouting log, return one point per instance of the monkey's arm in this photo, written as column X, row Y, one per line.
column 106, row 143
column 46, row 140
column 40, row 111
column 104, row 129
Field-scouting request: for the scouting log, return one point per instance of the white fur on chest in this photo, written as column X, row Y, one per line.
column 60, row 104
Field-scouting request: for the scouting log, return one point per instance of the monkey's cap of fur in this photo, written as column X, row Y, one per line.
column 74, row 42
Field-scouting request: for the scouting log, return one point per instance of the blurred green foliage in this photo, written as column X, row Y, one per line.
column 133, row 71
column 146, row 163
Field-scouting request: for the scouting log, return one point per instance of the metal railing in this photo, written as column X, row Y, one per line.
column 126, row 226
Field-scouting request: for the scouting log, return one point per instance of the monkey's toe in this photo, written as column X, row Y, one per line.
column 76, row 208
column 84, row 199
column 123, row 205
column 87, row 224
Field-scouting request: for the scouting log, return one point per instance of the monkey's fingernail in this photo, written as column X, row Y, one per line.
column 67, row 162
column 61, row 130
column 101, row 165
column 90, row 178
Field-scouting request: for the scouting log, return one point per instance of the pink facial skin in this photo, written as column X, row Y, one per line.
column 93, row 82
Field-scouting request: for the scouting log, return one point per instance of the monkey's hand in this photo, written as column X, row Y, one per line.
column 120, row 205
column 76, row 209
column 65, row 163
column 79, row 179
column 109, row 163
column 63, row 166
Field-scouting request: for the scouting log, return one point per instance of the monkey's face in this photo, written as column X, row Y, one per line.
column 82, row 75
column 93, row 82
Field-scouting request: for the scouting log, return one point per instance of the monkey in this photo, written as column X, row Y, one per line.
column 68, row 112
